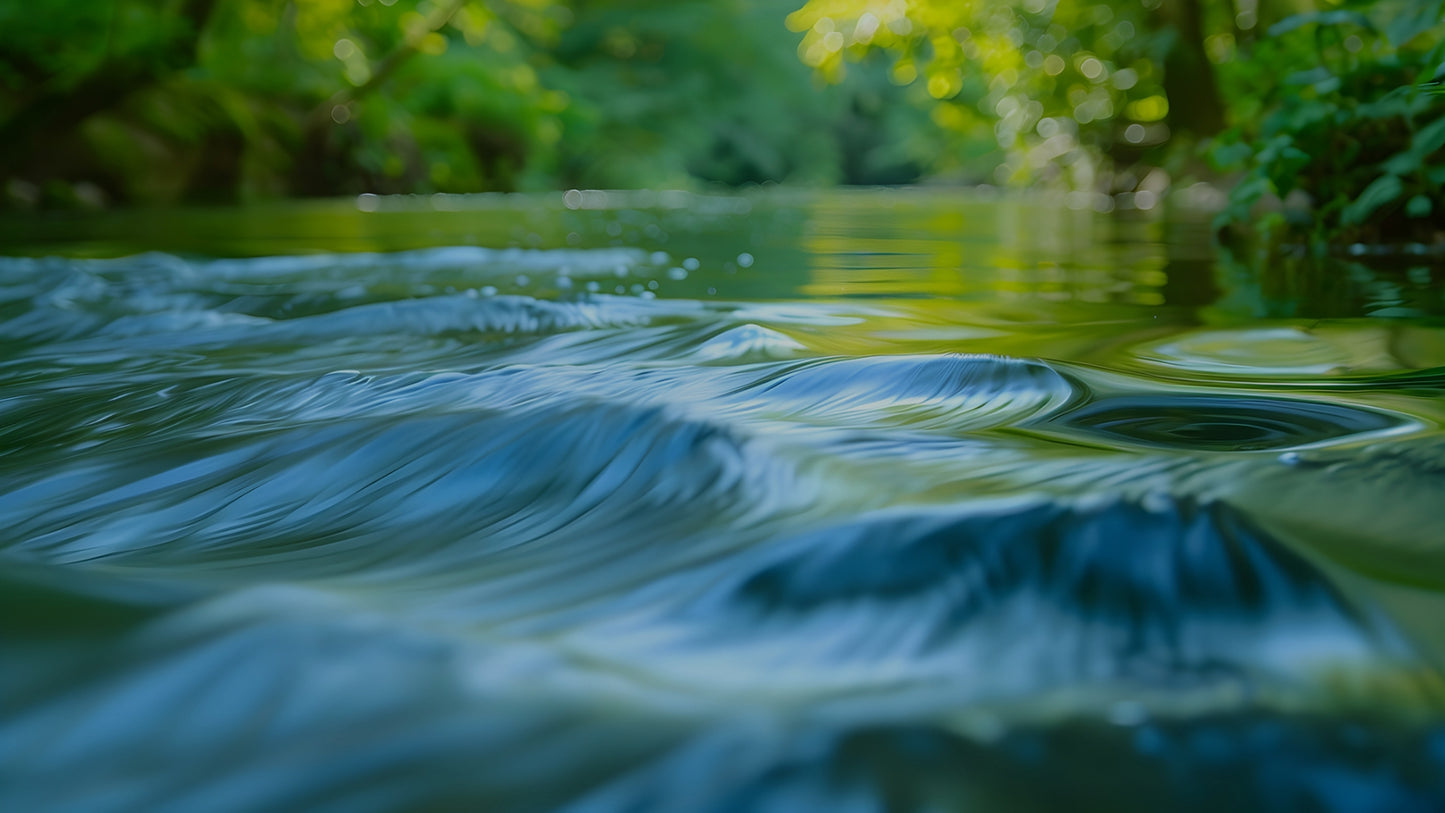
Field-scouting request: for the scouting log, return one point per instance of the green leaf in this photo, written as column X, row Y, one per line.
column 1337, row 17
column 1384, row 190
column 1426, row 141
column 1395, row 103
column 1434, row 83
column 1228, row 156
column 1247, row 193
column 1404, row 163
column 1414, row 21
column 1253, row 186
column 1429, row 138
column 1419, row 206
column 1311, row 76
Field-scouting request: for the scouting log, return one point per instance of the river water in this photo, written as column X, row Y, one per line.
column 851, row 501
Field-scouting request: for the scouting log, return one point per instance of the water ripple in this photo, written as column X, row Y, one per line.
column 449, row 528
column 1001, row 601
column 935, row 392
column 1226, row 422
column 428, row 491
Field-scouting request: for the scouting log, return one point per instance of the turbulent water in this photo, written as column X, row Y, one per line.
column 859, row 503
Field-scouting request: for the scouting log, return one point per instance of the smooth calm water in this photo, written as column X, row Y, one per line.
column 863, row 501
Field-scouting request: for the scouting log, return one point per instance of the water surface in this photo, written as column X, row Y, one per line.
column 858, row 501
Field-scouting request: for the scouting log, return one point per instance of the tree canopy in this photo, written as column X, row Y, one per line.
column 143, row 101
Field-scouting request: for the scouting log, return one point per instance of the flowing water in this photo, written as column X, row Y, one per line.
column 858, row 501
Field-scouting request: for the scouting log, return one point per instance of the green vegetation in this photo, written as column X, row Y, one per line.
column 1324, row 103
column 142, row 101
column 1331, row 104
column 1352, row 125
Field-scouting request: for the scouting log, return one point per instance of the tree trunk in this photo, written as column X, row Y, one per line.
column 1195, row 104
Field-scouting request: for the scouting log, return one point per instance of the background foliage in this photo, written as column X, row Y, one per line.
column 1351, row 126
column 136, row 100
column 1325, row 103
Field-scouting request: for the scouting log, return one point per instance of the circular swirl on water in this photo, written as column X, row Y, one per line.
column 1223, row 422
column 1268, row 351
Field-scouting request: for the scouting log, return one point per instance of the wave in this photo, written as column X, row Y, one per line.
column 454, row 529
column 953, row 392
column 1026, row 599
column 309, row 298
column 430, row 492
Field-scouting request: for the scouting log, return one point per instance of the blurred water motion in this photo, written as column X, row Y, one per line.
column 865, row 501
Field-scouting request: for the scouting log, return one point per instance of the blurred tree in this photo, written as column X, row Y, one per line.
column 713, row 90
column 1332, row 104
column 169, row 100
column 74, row 59
column 709, row 90
column 1069, row 88
column 166, row 100
column 1189, row 76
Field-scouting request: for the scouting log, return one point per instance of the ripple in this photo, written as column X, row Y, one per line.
column 307, row 298
column 1270, row 351
column 1224, row 422
column 1402, row 543
column 276, row 697
column 1005, row 601
column 429, row 492
column 426, row 265
column 435, row 529
column 1274, row 762
column 748, row 343
column 950, row 392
